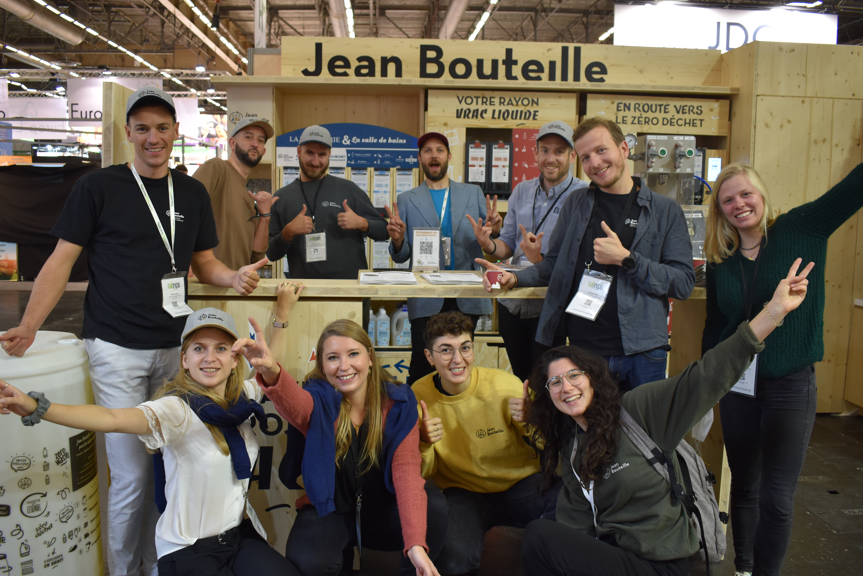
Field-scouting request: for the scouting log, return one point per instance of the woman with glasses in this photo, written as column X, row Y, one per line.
column 615, row 514
column 472, row 444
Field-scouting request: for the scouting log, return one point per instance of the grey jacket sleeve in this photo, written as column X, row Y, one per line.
column 673, row 275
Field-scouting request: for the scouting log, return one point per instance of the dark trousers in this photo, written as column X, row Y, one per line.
column 472, row 514
column 316, row 544
column 552, row 549
column 637, row 369
column 519, row 339
column 247, row 554
column 419, row 364
column 766, row 438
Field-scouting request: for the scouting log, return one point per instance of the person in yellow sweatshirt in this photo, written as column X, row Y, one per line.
column 473, row 444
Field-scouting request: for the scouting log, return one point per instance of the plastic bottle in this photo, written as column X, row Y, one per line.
column 382, row 328
column 373, row 320
column 397, row 323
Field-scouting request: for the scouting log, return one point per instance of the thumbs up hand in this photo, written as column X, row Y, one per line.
column 301, row 224
column 350, row 220
column 431, row 429
column 609, row 250
column 517, row 406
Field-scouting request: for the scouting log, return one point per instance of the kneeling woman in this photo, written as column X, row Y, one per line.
column 361, row 463
column 614, row 513
column 200, row 422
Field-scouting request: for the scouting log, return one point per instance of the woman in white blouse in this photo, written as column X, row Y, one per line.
column 198, row 426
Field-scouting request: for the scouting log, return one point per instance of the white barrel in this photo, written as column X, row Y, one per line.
column 49, row 491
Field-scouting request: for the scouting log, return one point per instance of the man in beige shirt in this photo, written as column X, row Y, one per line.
column 242, row 216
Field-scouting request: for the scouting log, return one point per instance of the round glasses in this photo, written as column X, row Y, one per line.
column 446, row 353
column 574, row 377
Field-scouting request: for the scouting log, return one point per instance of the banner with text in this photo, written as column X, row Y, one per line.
column 662, row 115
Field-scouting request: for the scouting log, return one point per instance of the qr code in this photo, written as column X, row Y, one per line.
column 426, row 248
column 588, row 303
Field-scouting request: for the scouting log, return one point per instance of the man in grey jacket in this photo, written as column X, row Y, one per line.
column 452, row 207
column 618, row 253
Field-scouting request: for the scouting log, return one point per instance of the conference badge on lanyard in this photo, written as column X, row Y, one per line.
column 316, row 247
column 173, row 284
column 592, row 294
column 746, row 384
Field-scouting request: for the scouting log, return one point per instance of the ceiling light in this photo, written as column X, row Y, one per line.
column 201, row 109
column 200, row 68
column 608, row 33
column 211, row 90
column 14, row 75
column 61, row 88
column 804, row 4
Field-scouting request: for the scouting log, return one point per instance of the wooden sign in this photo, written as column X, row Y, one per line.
column 486, row 109
column 443, row 63
column 640, row 114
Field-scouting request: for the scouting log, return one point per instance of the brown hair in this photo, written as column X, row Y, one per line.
column 183, row 385
column 376, row 393
column 722, row 239
column 447, row 324
column 589, row 124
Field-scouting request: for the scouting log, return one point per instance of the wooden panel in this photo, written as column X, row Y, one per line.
column 395, row 112
column 780, row 69
column 738, row 69
column 503, row 362
column 663, row 115
column 267, row 64
column 854, row 376
column 687, row 326
column 586, row 65
column 858, row 265
column 485, row 109
column 115, row 148
column 396, row 363
column 834, row 71
column 484, row 353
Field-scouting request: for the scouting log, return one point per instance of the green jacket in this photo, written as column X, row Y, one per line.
column 634, row 508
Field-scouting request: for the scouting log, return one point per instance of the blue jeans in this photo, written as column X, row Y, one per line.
column 766, row 438
column 637, row 369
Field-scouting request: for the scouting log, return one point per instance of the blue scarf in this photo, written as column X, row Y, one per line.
column 227, row 421
column 318, row 450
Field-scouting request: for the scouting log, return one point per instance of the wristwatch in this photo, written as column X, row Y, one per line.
column 628, row 263
column 277, row 324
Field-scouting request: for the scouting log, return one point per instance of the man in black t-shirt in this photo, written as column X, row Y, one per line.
column 131, row 338
column 636, row 244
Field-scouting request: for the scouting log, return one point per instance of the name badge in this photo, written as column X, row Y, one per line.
column 591, row 296
column 316, row 247
column 425, row 249
column 174, row 295
column 746, row 385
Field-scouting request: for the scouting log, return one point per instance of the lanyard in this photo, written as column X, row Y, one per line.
column 443, row 208
column 311, row 205
column 533, row 212
column 169, row 247
column 592, row 225
column 746, row 296
column 589, row 494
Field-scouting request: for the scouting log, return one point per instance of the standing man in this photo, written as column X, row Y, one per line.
column 534, row 207
column 321, row 221
column 242, row 216
column 619, row 246
column 135, row 306
column 440, row 203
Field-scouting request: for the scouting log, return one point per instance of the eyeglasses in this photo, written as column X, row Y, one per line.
column 446, row 353
column 574, row 377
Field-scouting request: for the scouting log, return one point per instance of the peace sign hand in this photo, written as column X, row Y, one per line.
column 493, row 217
column 482, row 233
column 258, row 354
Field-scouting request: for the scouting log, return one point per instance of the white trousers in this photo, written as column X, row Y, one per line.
column 124, row 378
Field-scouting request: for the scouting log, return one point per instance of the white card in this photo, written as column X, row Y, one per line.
column 316, row 247
column 426, row 249
column 174, row 296
column 591, row 295
column 746, row 385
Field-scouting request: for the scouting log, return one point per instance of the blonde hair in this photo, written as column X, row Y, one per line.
column 722, row 239
column 183, row 385
column 376, row 394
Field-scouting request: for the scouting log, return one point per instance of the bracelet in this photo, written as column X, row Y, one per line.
column 42, row 405
column 493, row 249
column 267, row 215
column 775, row 323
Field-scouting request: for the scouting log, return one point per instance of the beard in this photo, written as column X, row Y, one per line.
column 311, row 172
column 444, row 166
column 243, row 156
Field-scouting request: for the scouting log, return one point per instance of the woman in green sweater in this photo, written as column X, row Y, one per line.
column 615, row 513
column 767, row 419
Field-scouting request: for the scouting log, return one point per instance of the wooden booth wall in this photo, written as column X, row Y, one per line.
column 798, row 119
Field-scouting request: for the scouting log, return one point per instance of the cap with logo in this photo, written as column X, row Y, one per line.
column 149, row 96
column 428, row 136
column 317, row 134
column 251, row 121
column 556, row 128
column 210, row 318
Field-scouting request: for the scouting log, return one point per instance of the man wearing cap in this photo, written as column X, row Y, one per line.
column 455, row 209
column 242, row 216
column 618, row 253
column 533, row 210
column 135, row 307
column 320, row 221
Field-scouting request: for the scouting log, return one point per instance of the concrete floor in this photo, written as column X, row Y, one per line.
column 828, row 513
